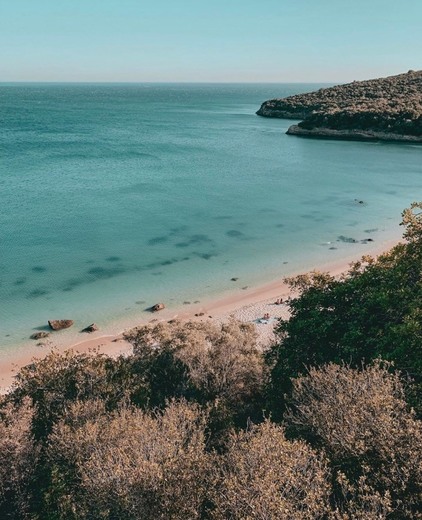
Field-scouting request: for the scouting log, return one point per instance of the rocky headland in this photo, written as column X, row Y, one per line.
column 387, row 109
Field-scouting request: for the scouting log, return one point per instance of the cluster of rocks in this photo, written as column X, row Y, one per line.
column 56, row 325
column 65, row 324
column 382, row 109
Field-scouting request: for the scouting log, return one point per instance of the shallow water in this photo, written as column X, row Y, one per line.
column 114, row 197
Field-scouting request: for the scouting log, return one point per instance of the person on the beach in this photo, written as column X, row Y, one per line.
column 265, row 318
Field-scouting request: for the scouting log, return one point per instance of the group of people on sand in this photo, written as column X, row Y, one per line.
column 266, row 318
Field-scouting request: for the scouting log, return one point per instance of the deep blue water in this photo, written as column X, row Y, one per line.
column 114, row 197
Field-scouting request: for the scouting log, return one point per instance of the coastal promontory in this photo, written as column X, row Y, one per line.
column 388, row 109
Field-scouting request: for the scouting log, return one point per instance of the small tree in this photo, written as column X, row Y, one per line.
column 221, row 360
column 218, row 364
column 412, row 220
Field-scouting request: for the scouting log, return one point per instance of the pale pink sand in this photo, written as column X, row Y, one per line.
column 247, row 305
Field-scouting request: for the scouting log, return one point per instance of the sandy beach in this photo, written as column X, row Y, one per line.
column 247, row 305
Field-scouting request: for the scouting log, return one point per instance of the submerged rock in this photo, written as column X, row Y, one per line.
column 347, row 240
column 60, row 324
column 40, row 335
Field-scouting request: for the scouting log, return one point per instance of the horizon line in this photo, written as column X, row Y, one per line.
column 167, row 82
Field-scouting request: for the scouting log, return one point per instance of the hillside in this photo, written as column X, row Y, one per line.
column 378, row 109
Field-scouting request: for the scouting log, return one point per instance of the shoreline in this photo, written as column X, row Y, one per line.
column 249, row 306
column 352, row 134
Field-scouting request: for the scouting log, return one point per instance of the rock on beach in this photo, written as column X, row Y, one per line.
column 157, row 307
column 60, row 324
column 91, row 328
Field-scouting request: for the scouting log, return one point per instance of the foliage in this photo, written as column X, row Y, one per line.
column 128, row 463
column 265, row 476
column 18, row 457
column 374, row 311
column 57, row 380
column 217, row 364
column 219, row 360
column 374, row 444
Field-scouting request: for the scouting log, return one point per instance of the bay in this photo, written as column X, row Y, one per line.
column 114, row 197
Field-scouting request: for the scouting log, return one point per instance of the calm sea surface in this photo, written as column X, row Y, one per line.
column 115, row 197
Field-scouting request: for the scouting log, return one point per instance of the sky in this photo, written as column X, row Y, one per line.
column 208, row 40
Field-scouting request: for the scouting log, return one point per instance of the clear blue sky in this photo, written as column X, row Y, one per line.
column 208, row 40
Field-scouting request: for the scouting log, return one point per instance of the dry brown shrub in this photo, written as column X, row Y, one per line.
column 222, row 360
column 264, row 476
column 18, row 455
column 360, row 501
column 361, row 419
column 130, row 464
column 59, row 379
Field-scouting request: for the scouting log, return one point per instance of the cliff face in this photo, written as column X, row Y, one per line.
column 387, row 108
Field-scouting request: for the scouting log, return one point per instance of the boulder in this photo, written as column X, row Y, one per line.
column 40, row 335
column 91, row 328
column 157, row 307
column 60, row 324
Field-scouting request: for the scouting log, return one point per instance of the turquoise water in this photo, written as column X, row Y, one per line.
column 114, row 197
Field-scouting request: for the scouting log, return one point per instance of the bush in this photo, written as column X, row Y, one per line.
column 128, row 464
column 265, row 476
column 58, row 380
column 374, row 443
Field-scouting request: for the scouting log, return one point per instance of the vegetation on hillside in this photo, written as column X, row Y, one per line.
column 391, row 105
column 199, row 423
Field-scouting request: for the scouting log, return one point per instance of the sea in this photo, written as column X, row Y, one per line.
column 114, row 197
